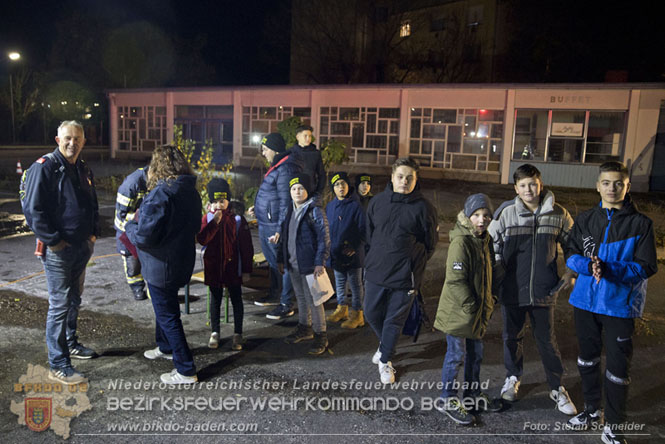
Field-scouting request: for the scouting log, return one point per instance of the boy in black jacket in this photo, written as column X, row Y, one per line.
column 402, row 234
column 313, row 164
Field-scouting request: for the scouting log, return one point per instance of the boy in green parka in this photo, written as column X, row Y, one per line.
column 465, row 308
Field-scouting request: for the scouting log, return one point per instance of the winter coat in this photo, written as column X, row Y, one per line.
column 228, row 249
column 165, row 232
column 346, row 219
column 402, row 235
column 466, row 302
column 364, row 200
column 130, row 195
column 59, row 200
column 525, row 245
column 273, row 198
column 624, row 240
column 312, row 240
column 313, row 166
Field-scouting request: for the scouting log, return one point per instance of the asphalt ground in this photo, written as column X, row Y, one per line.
column 349, row 405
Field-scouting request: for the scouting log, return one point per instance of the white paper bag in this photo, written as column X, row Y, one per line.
column 320, row 287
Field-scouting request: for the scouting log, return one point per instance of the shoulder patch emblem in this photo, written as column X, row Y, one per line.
column 41, row 160
column 457, row 265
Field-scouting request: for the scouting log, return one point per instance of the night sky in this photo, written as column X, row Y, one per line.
column 214, row 42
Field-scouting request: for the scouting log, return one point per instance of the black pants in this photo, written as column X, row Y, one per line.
column 216, row 294
column 618, row 350
column 386, row 311
column 542, row 320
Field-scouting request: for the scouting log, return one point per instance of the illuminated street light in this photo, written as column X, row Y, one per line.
column 14, row 57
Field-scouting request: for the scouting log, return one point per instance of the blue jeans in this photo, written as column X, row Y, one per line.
column 462, row 350
column 65, row 274
column 354, row 277
column 279, row 284
column 169, row 334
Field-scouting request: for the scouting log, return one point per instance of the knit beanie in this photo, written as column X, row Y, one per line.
column 363, row 177
column 340, row 175
column 218, row 189
column 304, row 180
column 476, row 201
column 275, row 142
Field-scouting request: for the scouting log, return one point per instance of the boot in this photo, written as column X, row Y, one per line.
column 320, row 343
column 356, row 319
column 340, row 313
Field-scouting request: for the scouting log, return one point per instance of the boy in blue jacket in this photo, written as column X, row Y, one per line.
column 304, row 247
column 347, row 250
column 614, row 253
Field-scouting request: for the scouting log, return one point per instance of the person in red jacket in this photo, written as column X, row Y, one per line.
column 227, row 257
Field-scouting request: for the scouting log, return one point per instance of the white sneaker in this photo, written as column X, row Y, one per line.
column 157, row 353
column 175, row 378
column 563, row 402
column 510, row 388
column 213, row 342
column 377, row 356
column 387, row 372
column 609, row 437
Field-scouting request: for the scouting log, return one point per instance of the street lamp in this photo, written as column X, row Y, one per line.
column 14, row 57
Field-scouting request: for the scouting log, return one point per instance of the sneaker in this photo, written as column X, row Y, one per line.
column 584, row 420
column 609, row 437
column 157, row 353
column 80, row 351
column 175, row 378
column 320, row 343
column 237, row 342
column 139, row 294
column 66, row 375
column 341, row 313
column 376, row 358
column 387, row 372
column 266, row 301
column 510, row 388
column 485, row 404
column 213, row 342
column 302, row 333
column 563, row 402
column 455, row 411
column 280, row 312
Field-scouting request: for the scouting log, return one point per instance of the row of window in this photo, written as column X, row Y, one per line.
column 464, row 138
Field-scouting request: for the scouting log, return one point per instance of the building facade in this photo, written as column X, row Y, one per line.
column 476, row 132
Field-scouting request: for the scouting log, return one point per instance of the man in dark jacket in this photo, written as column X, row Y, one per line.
column 614, row 253
column 270, row 207
column 60, row 205
column 130, row 195
column 402, row 233
column 313, row 164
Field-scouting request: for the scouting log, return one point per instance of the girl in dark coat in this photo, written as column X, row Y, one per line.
column 227, row 257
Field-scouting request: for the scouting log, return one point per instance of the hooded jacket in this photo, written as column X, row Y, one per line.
column 525, row 245
column 402, row 235
column 273, row 198
column 312, row 238
column 312, row 165
column 466, row 301
column 228, row 249
column 624, row 240
column 165, row 232
column 346, row 219
column 59, row 200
